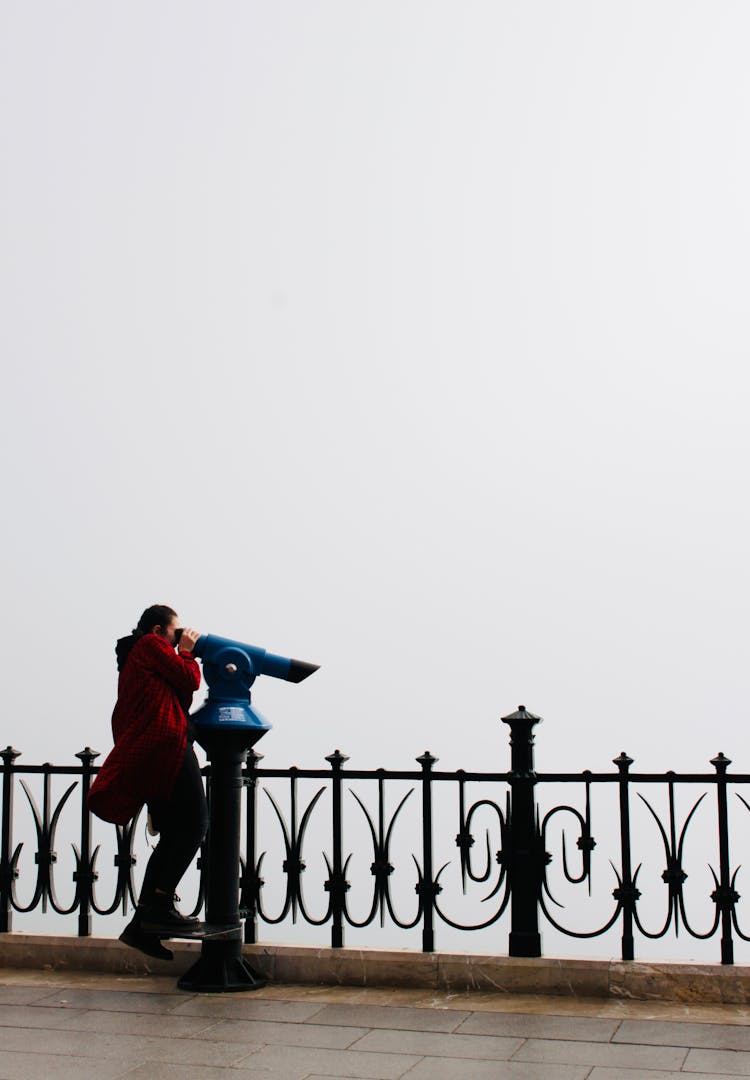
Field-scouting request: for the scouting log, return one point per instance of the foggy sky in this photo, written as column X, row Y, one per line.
column 409, row 339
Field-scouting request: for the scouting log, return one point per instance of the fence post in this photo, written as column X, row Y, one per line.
column 7, row 872
column 427, row 888
column 626, row 894
column 85, row 875
column 724, row 896
column 251, row 882
column 337, row 884
column 526, row 858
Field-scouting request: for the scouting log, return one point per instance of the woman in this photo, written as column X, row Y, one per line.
column 153, row 762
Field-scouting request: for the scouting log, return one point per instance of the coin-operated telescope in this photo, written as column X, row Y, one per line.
column 226, row 726
column 230, row 669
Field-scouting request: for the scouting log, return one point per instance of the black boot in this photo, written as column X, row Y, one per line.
column 134, row 936
column 158, row 915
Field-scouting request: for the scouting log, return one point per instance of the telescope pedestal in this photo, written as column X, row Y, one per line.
column 221, row 967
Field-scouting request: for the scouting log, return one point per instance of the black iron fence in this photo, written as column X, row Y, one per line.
column 509, row 805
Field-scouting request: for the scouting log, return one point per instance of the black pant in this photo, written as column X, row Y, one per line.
column 182, row 821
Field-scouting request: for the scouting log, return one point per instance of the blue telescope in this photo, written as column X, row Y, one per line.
column 226, row 727
column 231, row 668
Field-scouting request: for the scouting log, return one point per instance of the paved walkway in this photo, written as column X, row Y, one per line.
column 55, row 1026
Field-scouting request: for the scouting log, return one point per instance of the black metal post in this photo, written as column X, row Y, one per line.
column 85, row 875
column 221, row 967
column 526, row 859
column 7, row 872
column 251, row 882
column 201, row 862
column 725, row 896
column 427, row 887
column 124, row 861
column 337, row 885
column 45, row 857
column 626, row 894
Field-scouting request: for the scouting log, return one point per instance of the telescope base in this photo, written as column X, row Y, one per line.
column 221, row 969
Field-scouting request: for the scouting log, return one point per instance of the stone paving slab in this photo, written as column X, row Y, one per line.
column 133, row 1048
column 122, row 1023
column 116, row 1000
column 543, row 1027
column 325, row 1037
column 23, row 1016
column 23, row 1066
column 162, row 1070
column 296, row 1063
column 456, row 1069
column 129, row 1023
column 603, row 1073
column 241, row 1007
column 385, row 1016
column 435, row 1044
column 674, row 1033
column 718, row 1062
column 22, row 995
column 555, row 1051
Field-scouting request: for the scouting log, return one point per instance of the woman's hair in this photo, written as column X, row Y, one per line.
column 156, row 615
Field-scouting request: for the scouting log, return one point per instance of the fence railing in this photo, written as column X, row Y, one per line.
column 516, row 875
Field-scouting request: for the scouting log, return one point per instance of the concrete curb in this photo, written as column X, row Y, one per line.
column 452, row 972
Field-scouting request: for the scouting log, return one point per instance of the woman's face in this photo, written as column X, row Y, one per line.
column 168, row 631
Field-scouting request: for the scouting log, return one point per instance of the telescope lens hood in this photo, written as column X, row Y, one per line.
column 299, row 670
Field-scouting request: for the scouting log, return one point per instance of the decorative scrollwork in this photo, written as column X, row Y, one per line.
column 465, row 842
column 381, row 867
column 124, row 860
column 674, row 875
column 585, row 843
column 293, row 865
column 45, row 856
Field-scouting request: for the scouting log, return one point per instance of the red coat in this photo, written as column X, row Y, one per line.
column 155, row 691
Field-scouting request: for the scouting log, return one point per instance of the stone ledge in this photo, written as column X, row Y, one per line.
column 452, row 972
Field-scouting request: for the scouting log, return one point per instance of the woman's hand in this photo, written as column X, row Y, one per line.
column 188, row 639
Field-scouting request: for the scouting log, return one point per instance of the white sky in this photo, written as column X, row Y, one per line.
column 406, row 338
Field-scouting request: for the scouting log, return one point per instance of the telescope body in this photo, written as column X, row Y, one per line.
column 230, row 668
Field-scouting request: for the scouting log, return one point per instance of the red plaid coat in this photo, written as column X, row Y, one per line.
column 155, row 691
